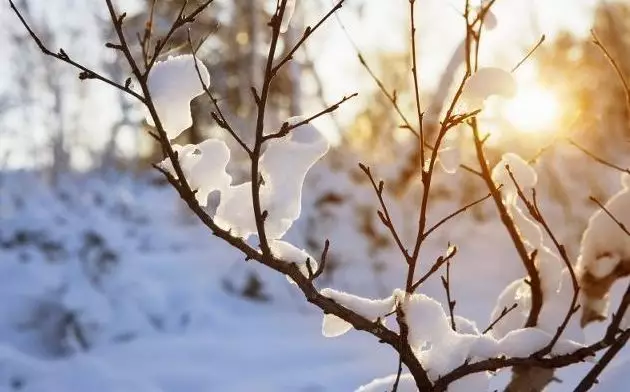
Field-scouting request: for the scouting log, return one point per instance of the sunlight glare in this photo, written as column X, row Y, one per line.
column 533, row 109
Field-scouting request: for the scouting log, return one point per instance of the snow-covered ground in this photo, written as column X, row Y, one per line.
column 110, row 285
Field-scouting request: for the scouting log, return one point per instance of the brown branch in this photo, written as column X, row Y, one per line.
column 529, row 54
column 219, row 117
column 286, row 128
column 322, row 262
column 307, row 33
column 555, row 362
column 504, row 313
column 591, row 378
column 261, row 103
column 416, row 85
column 454, row 214
column 615, row 65
column 387, row 94
column 86, row 73
column 435, row 267
column 510, row 226
column 384, row 213
column 618, row 316
column 446, row 282
column 610, row 215
column 179, row 22
column 597, row 158
column 535, row 212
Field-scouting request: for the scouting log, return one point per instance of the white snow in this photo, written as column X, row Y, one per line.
column 281, row 193
column 523, row 342
column 529, row 230
column 204, row 167
column 603, row 247
column 173, row 83
column 158, row 318
column 236, row 211
column 288, row 15
column 487, row 82
column 369, row 308
column 334, row 326
column 522, row 171
column 291, row 254
column 449, row 156
column 406, row 384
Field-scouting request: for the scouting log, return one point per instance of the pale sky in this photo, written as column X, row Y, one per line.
column 382, row 26
column 385, row 25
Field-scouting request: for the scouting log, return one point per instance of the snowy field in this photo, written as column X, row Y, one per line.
column 110, row 285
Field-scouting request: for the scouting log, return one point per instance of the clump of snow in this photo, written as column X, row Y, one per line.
column 557, row 293
column 449, row 156
column 236, row 211
column 529, row 230
column 204, row 166
column 490, row 19
column 288, row 15
column 604, row 254
column 523, row 173
column 426, row 319
column 485, row 83
column 368, row 308
column 281, row 193
column 334, row 326
column 406, row 384
column 173, row 83
column 291, row 254
column 521, row 343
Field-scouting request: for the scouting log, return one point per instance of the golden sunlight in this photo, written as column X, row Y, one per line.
column 534, row 109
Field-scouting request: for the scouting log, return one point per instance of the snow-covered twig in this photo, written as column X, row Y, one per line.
column 534, row 211
column 219, row 117
column 510, row 226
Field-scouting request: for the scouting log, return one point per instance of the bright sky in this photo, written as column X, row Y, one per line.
column 382, row 25
column 385, row 23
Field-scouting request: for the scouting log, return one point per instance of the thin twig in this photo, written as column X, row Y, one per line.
column 591, row 378
column 384, row 213
column 86, row 73
column 307, row 33
column 219, row 117
column 455, row 213
column 446, row 282
column 435, row 267
column 286, row 127
column 530, row 53
column 504, row 313
column 615, row 65
column 597, row 158
column 603, row 207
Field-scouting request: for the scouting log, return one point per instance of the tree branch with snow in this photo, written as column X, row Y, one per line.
column 440, row 350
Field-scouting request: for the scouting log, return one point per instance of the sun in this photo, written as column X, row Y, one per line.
column 534, row 109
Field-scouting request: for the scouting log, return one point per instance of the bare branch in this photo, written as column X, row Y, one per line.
column 286, row 128
column 307, row 33
column 435, row 267
column 504, row 313
column 86, row 73
column 597, row 158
